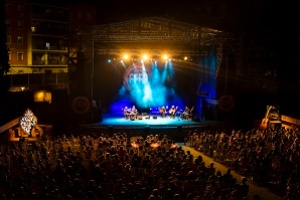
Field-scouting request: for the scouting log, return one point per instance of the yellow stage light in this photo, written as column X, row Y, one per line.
column 126, row 57
column 165, row 57
column 145, row 57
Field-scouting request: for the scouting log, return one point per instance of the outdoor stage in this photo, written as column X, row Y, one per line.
column 113, row 121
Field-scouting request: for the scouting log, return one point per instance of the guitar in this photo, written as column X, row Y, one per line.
column 264, row 123
column 162, row 110
column 191, row 110
column 173, row 110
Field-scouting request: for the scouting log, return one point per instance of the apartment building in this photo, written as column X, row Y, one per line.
column 38, row 34
column 39, row 47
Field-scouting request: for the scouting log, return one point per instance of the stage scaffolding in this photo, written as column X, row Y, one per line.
column 153, row 34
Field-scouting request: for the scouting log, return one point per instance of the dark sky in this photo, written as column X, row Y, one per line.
column 243, row 14
column 246, row 14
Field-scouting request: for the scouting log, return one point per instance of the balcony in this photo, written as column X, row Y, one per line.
column 38, row 81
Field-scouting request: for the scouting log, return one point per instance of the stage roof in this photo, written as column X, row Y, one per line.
column 153, row 33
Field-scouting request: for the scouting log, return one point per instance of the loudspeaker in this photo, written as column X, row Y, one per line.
column 154, row 117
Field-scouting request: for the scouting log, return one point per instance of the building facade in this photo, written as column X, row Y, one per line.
column 39, row 49
column 38, row 34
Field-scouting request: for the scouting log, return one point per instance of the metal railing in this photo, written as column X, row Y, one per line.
column 45, row 79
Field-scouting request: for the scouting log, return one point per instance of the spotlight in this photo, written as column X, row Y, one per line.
column 165, row 57
column 145, row 57
column 126, row 56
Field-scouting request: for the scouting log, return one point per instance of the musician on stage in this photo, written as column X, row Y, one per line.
column 134, row 112
column 186, row 113
column 163, row 111
column 172, row 111
column 126, row 112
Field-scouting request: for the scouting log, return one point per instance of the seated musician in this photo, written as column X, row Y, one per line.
column 172, row 111
column 186, row 113
column 134, row 112
column 191, row 113
column 126, row 112
column 163, row 111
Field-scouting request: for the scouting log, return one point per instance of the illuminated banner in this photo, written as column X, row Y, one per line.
column 291, row 120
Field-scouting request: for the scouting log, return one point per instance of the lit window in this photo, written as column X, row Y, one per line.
column 20, row 40
column 33, row 29
column 47, row 45
column 8, row 39
column 20, row 56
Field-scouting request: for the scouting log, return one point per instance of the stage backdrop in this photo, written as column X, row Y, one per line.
column 152, row 84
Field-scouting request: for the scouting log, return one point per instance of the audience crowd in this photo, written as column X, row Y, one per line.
column 269, row 158
column 115, row 166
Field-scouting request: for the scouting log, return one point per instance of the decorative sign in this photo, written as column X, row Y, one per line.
column 291, row 120
column 28, row 121
column 81, row 105
column 136, row 73
column 226, row 103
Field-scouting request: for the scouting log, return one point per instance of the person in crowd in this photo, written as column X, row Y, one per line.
column 102, row 166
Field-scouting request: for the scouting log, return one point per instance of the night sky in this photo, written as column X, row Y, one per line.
column 239, row 15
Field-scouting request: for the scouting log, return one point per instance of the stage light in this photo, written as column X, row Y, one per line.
column 165, row 57
column 185, row 58
column 126, row 56
column 145, row 57
column 109, row 60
